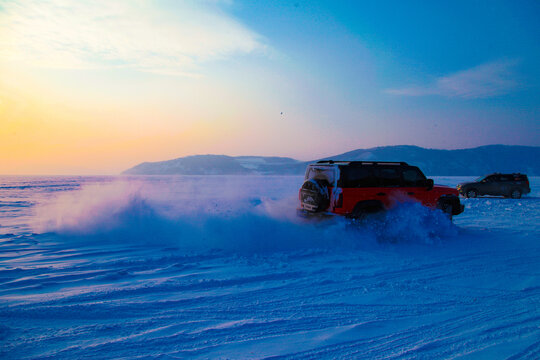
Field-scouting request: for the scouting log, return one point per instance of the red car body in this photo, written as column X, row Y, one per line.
column 352, row 187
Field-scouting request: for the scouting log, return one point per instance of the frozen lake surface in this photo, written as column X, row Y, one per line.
column 220, row 267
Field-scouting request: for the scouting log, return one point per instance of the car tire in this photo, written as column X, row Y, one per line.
column 472, row 193
column 447, row 209
column 515, row 194
column 316, row 193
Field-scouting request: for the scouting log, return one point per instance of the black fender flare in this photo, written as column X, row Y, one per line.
column 450, row 200
column 366, row 207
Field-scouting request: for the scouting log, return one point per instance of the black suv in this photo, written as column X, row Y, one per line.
column 507, row 185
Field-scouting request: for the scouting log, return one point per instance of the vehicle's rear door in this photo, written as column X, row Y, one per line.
column 358, row 183
column 522, row 182
column 389, row 189
column 504, row 185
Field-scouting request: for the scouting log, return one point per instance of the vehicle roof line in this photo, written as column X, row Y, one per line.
column 355, row 162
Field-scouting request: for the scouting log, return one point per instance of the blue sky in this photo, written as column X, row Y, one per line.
column 148, row 80
column 432, row 64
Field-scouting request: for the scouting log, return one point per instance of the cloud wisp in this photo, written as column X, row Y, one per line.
column 482, row 81
column 122, row 34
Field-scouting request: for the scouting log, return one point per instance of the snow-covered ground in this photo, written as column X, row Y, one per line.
column 220, row 267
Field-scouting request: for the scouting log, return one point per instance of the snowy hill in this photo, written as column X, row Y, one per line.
column 475, row 161
column 218, row 165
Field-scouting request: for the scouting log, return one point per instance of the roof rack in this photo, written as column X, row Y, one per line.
column 331, row 162
column 396, row 163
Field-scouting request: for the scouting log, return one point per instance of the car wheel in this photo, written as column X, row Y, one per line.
column 472, row 193
column 515, row 194
column 446, row 208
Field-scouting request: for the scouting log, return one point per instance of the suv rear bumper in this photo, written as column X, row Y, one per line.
column 303, row 213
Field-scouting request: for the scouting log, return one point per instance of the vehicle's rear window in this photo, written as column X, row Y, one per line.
column 373, row 176
column 326, row 173
column 352, row 177
column 388, row 176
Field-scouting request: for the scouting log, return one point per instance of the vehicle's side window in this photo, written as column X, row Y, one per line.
column 358, row 177
column 505, row 178
column 320, row 173
column 388, row 177
column 412, row 177
column 490, row 179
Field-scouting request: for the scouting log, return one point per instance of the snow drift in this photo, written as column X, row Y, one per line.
column 220, row 267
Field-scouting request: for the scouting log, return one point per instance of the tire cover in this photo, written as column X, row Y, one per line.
column 314, row 195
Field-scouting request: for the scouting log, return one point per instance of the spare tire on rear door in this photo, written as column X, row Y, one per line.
column 314, row 195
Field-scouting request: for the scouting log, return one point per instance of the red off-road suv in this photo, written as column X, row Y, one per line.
column 356, row 188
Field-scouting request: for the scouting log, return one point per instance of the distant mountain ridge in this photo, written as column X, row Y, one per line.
column 218, row 165
column 475, row 161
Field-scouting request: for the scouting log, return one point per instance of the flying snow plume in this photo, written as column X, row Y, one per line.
column 221, row 213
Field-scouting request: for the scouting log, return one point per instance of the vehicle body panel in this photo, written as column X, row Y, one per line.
column 352, row 183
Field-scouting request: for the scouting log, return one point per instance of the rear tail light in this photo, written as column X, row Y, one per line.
column 340, row 201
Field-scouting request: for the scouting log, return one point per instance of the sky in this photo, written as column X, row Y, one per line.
column 95, row 87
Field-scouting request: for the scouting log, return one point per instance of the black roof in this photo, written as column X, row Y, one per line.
column 508, row 174
column 361, row 163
